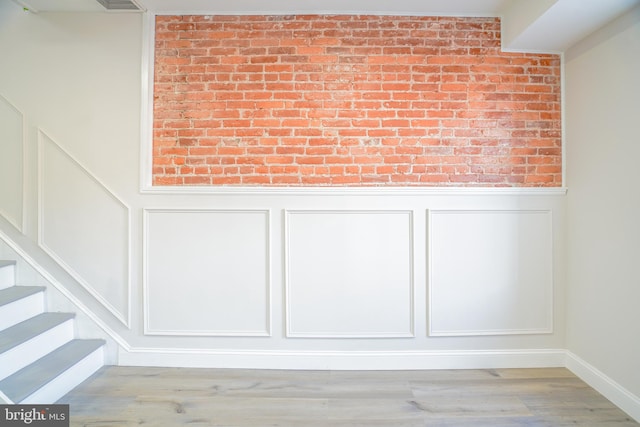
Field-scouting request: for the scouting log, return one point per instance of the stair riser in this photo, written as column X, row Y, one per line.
column 68, row 380
column 21, row 310
column 7, row 276
column 28, row 352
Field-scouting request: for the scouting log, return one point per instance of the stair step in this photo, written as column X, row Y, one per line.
column 30, row 328
column 54, row 375
column 19, row 303
column 30, row 340
column 7, row 273
column 15, row 293
column 40, row 361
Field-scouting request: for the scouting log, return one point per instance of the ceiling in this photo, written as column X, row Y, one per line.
column 528, row 25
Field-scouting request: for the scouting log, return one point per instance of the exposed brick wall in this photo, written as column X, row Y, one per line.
column 351, row 100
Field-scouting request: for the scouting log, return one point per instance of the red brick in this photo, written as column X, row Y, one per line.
column 351, row 100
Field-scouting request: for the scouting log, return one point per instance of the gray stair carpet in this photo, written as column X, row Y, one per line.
column 28, row 380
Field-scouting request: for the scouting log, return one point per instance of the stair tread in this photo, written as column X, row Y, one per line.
column 14, row 293
column 5, row 263
column 24, row 331
column 31, row 378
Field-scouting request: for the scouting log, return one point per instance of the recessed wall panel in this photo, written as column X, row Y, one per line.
column 490, row 272
column 84, row 227
column 207, row 272
column 11, row 163
column 349, row 274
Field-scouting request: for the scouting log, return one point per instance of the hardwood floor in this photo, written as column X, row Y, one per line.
column 122, row 396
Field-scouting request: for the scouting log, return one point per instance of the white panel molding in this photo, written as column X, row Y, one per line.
column 290, row 333
column 485, row 332
column 18, row 223
column 267, row 332
column 124, row 318
column 609, row 388
column 342, row 360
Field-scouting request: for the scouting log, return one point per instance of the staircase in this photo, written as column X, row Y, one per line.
column 40, row 360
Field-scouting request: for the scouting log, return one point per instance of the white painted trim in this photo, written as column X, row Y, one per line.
column 146, row 104
column 125, row 318
column 213, row 333
column 358, row 191
column 65, row 292
column 412, row 326
column 210, row 333
column 609, row 388
column 19, row 226
column 343, row 360
column 533, row 51
column 429, row 263
column 479, row 332
column 488, row 332
column 25, row 173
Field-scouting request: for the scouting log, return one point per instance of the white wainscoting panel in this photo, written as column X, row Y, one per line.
column 491, row 272
column 84, row 227
column 207, row 272
column 11, row 163
column 349, row 274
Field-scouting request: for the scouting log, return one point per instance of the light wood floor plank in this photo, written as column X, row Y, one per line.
column 122, row 396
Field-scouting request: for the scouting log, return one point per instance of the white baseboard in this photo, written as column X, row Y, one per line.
column 343, row 360
column 610, row 389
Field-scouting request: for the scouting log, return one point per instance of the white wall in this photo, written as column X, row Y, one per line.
column 69, row 90
column 603, row 147
column 334, row 278
column 76, row 76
